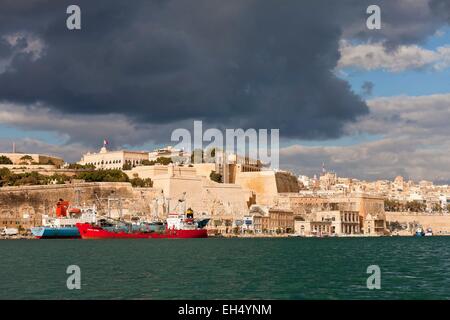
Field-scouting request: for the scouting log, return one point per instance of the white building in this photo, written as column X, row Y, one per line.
column 177, row 155
column 106, row 159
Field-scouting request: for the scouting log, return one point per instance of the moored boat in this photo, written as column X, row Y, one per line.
column 419, row 232
column 63, row 226
column 177, row 226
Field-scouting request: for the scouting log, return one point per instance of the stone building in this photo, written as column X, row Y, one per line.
column 177, row 155
column 24, row 206
column 329, row 223
column 105, row 159
column 264, row 220
column 372, row 218
column 268, row 184
column 18, row 158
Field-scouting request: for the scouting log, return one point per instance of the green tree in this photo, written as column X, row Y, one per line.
column 26, row 158
column 147, row 162
column 110, row 175
column 127, row 166
column 81, row 166
column 5, row 175
column 214, row 176
column 436, row 207
column 142, row 183
column 164, row 160
column 415, row 206
column 393, row 205
column 5, row 160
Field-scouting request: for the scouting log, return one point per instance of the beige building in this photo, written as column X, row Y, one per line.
column 267, row 184
column 263, row 220
column 177, row 155
column 372, row 218
column 32, row 159
column 105, row 159
column 329, row 223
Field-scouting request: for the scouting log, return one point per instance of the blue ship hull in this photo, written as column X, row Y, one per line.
column 55, row 233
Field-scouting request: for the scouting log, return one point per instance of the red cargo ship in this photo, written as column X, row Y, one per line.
column 178, row 226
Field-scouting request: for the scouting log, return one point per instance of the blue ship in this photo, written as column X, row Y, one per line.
column 63, row 226
column 55, row 232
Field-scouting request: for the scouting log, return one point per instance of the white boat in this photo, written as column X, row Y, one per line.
column 63, row 226
column 9, row 231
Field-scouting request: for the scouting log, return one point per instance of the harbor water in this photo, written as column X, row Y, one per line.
column 217, row 268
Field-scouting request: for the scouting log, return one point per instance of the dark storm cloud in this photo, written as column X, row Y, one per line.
column 403, row 21
column 255, row 63
column 441, row 8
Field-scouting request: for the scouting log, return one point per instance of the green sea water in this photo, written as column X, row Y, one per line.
column 288, row 268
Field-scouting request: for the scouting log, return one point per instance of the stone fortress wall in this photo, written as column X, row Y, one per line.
column 24, row 205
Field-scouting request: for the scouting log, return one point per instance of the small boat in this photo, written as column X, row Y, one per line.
column 63, row 226
column 419, row 232
column 429, row 232
column 9, row 231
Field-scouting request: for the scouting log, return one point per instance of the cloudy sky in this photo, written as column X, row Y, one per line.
column 371, row 104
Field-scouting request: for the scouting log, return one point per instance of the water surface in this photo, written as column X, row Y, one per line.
column 288, row 268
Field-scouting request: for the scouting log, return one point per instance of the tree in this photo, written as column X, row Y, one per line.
column 5, row 174
column 110, row 175
column 415, row 206
column 147, row 162
column 142, row 183
column 126, row 166
column 81, row 166
column 7, row 178
column 436, row 207
column 163, row 160
column 393, row 205
column 5, row 160
column 214, row 176
column 26, row 159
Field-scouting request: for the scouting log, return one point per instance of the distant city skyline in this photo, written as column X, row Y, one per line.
column 370, row 104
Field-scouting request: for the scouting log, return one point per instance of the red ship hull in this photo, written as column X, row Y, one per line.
column 88, row 231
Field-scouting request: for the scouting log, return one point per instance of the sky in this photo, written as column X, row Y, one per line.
column 369, row 104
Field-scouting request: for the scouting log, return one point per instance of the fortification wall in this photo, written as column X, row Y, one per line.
column 438, row 222
column 25, row 205
column 267, row 184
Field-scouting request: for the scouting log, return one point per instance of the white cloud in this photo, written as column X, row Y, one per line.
column 373, row 56
column 412, row 140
